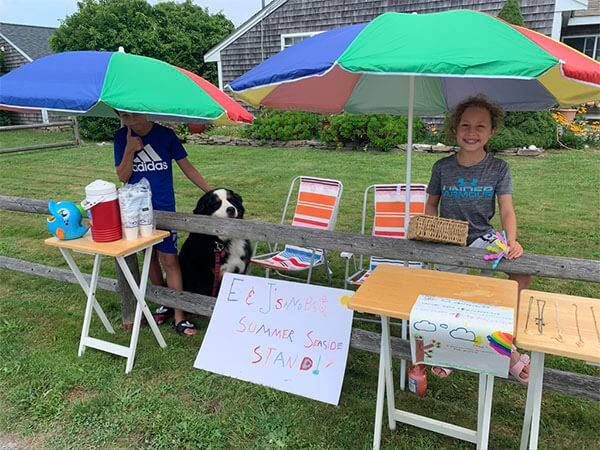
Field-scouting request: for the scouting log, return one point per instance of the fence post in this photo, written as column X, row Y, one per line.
column 128, row 301
column 76, row 131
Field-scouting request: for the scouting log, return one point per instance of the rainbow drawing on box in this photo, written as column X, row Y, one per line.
column 501, row 342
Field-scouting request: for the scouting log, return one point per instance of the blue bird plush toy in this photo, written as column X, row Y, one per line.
column 65, row 222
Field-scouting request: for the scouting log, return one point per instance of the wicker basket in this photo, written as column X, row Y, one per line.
column 438, row 229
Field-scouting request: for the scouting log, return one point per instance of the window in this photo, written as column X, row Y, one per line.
column 287, row 40
column 590, row 45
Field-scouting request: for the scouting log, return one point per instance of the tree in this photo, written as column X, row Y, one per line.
column 178, row 33
column 511, row 13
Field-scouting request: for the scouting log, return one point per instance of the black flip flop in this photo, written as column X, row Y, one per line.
column 184, row 325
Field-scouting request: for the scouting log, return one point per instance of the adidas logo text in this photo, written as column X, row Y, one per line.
column 147, row 160
column 150, row 166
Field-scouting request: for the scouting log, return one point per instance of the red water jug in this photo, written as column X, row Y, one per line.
column 417, row 380
column 102, row 202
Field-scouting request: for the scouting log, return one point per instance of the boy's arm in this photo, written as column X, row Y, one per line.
column 431, row 207
column 125, row 169
column 509, row 225
column 193, row 175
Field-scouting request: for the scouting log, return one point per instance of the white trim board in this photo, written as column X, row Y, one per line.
column 214, row 54
column 583, row 20
column 292, row 35
column 25, row 55
column 571, row 5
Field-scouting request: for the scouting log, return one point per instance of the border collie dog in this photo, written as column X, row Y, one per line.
column 202, row 254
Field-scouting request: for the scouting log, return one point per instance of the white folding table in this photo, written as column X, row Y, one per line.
column 118, row 250
column 391, row 291
column 557, row 324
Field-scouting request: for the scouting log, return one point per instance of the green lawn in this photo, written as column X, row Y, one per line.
column 58, row 400
column 22, row 138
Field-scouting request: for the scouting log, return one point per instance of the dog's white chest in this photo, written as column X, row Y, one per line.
column 234, row 260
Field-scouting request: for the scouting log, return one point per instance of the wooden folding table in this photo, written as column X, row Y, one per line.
column 557, row 324
column 118, row 250
column 391, row 291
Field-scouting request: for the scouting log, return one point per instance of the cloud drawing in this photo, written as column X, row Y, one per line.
column 424, row 325
column 463, row 334
column 444, row 326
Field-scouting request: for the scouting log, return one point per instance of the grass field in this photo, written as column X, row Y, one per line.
column 52, row 398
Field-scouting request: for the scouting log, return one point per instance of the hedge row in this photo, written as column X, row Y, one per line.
column 378, row 132
column 382, row 132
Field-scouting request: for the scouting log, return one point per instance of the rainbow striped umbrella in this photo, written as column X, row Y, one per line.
column 367, row 68
column 421, row 64
column 96, row 83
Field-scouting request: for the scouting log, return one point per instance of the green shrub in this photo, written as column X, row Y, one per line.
column 511, row 12
column 285, row 126
column 381, row 132
column 5, row 119
column 183, row 132
column 508, row 138
column 99, row 128
column 539, row 127
column 345, row 129
column 386, row 132
column 572, row 140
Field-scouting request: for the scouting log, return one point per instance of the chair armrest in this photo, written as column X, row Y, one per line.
column 265, row 255
column 346, row 255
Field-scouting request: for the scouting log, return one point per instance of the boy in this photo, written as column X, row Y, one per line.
column 144, row 149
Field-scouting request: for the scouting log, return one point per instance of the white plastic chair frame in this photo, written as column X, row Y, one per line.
column 332, row 224
column 359, row 266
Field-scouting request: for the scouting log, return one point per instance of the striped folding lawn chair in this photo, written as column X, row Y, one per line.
column 389, row 202
column 317, row 207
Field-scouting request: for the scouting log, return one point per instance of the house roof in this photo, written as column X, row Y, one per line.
column 213, row 54
column 32, row 41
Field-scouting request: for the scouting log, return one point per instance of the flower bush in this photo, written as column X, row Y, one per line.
column 579, row 132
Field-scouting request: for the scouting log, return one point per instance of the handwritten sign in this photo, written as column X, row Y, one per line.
column 464, row 335
column 290, row 336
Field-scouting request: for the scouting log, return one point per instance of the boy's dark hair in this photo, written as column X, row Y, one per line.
column 478, row 101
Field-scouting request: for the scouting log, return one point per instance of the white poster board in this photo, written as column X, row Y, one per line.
column 463, row 335
column 290, row 336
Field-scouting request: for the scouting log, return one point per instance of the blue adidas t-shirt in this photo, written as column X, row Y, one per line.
column 154, row 162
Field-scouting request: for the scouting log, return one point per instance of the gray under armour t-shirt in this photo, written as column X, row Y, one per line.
column 469, row 193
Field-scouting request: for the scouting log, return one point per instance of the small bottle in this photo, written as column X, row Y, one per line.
column 417, row 380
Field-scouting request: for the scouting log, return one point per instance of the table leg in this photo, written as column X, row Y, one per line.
column 485, row 412
column 91, row 300
column 140, row 293
column 389, row 380
column 86, row 289
column 403, row 361
column 536, row 375
column 380, row 395
column 528, row 410
column 480, row 398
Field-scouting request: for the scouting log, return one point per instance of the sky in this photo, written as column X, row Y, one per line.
column 49, row 13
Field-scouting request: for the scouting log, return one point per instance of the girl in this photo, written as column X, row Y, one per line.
column 464, row 186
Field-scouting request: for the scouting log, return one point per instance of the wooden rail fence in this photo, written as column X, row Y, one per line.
column 573, row 384
column 72, row 122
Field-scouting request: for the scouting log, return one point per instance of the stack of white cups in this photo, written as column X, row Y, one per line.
column 137, row 215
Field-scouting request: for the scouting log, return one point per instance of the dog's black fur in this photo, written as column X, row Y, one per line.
column 197, row 256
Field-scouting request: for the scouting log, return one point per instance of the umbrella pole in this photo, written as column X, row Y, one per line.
column 409, row 145
column 409, row 148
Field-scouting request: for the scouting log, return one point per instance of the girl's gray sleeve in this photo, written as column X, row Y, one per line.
column 434, row 186
column 504, row 185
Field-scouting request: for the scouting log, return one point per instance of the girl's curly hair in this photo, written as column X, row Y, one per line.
column 478, row 101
